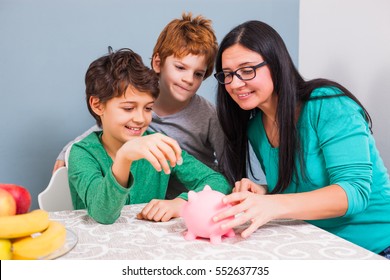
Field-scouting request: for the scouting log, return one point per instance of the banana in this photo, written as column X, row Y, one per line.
column 5, row 249
column 23, row 224
column 37, row 246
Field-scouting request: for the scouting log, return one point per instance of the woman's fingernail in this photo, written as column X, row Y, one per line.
column 179, row 161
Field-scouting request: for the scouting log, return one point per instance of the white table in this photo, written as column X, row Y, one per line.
column 132, row 239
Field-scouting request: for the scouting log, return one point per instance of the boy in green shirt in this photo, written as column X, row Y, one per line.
column 123, row 163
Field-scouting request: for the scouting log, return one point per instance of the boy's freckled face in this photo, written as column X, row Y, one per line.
column 180, row 78
column 127, row 116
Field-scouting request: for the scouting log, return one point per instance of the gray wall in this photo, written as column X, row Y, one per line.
column 47, row 45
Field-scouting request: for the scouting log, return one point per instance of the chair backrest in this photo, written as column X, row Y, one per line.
column 56, row 196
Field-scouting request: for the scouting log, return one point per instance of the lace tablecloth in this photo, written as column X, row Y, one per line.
column 132, row 239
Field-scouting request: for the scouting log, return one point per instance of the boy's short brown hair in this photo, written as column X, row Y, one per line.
column 110, row 75
column 185, row 36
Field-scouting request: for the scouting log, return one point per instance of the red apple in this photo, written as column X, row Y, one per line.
column 7, row 204
column 21, row 195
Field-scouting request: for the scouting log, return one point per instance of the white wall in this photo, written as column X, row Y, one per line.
column 349, row 41
column 47, row 45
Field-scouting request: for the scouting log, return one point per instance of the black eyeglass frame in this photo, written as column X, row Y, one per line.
column 234, row 73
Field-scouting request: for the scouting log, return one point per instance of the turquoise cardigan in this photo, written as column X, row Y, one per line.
column 338, row 148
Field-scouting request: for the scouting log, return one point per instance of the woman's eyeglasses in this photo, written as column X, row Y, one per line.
column 244, row 74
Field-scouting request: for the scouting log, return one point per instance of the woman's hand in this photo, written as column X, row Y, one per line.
column 247, row 185
column 161, row 210
column 247, row 206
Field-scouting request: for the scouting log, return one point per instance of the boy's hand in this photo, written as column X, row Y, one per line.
column 156, row 148
column 161, row 210
column 58, row 164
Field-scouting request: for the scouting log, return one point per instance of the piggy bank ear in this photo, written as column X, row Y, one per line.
column 207, row 188
column 192, row 196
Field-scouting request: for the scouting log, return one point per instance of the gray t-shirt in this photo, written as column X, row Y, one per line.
column 196, row 128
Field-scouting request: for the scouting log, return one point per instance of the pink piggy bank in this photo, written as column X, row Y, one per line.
column 198, row 213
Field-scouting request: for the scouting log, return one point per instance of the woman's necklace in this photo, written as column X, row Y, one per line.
column 272, row 130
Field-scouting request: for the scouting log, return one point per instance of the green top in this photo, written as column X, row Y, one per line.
column 338, row 148
column 93, row 186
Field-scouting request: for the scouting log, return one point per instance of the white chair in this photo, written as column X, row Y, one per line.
column 56, row 196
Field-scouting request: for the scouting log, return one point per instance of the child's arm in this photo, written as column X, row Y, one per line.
column 160, row 150
column 161, row 210
column 194, row 175
column 92, row 185
column 102, row 185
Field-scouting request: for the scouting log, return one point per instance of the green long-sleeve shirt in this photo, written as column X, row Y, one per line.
column 93, row 186
column 338, row 148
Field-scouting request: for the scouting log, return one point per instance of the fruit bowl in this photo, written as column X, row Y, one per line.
column 70, row 243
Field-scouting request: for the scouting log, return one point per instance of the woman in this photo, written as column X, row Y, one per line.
column 312, row 139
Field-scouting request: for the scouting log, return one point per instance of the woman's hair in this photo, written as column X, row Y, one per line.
column 110, row 75
column 185, row 36
column 292, row 92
